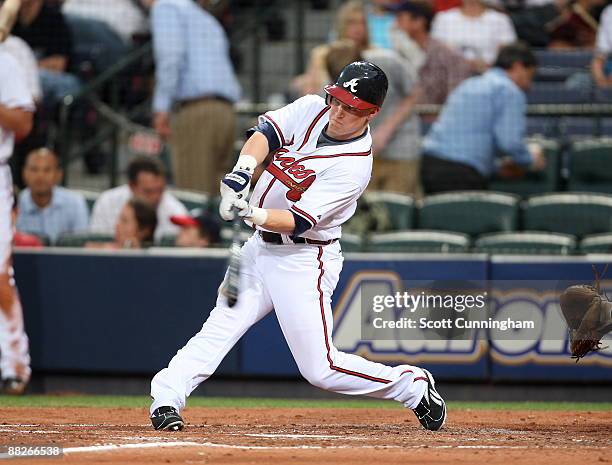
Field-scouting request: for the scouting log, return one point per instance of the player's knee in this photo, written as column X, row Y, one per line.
column 317, row 376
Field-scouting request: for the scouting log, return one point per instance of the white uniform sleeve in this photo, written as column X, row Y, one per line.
column 330, row 201
column 14, row 92
column 288, row 119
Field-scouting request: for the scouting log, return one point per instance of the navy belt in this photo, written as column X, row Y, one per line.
column 275, row 238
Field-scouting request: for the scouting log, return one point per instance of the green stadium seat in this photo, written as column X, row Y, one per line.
column 400, row 208
column 167, row 240
column 590, row 165
column 90, row 197
column 526, row 243
column 191, row 199
column 573, row 213
column 80, row 239
column 351, row 242
column 597, row 243
column 419, row 242
column 469, row 212
column 535, row 182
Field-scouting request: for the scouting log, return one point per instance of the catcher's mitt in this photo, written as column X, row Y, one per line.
column 588, row 314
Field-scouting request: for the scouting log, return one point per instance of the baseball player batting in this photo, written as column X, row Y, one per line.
column 16, row 108
column 321, row 165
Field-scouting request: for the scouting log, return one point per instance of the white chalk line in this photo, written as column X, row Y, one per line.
column 300, row 436
column 115, row 447
column 204, row 445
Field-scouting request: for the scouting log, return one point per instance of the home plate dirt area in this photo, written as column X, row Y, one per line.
column 311, row 435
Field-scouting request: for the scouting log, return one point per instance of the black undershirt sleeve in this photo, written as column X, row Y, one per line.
column 301, row 224
column 267, row 130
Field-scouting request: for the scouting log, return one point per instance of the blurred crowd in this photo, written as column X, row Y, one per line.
column 473, row 57
column 135, row 215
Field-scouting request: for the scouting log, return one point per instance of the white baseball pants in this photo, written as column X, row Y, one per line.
column 298, row 282
column 14, row 354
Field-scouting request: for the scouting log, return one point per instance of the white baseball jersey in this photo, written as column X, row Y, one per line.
column 320, row 183
column 14, row 93
column 14, row 355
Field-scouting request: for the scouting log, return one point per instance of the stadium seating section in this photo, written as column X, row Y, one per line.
column 470, row 212
column 526, row 243
column 419, row 242
column 560, row 223
column 590, row 166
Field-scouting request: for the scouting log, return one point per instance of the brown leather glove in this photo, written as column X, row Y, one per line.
column 588, row 314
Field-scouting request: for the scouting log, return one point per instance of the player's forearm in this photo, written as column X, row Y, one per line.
column 280, row 221
column 256, row 146
column 16, row 120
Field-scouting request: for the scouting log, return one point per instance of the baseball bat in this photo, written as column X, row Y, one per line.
column 8, row 15
column 233, row 274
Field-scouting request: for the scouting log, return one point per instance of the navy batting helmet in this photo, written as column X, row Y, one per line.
column 361, row 85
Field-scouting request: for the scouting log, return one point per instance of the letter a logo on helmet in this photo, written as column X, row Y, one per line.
column 352, row 84
column 361, row 85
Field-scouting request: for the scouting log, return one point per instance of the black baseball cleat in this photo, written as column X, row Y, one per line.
column 431, row 411
column 167, row 419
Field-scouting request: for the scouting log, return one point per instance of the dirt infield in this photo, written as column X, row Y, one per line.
column 313, row 436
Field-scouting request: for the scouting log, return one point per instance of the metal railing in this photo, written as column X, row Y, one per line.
column 109, row 80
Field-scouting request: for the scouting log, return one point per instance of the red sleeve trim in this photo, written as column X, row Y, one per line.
column 278, row 129
column 305, row 215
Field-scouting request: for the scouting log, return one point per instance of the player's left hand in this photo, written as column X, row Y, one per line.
column 228, row 207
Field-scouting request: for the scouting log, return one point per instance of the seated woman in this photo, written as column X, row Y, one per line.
column 134, row 229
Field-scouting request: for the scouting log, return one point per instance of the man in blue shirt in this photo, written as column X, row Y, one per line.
column 44, row 207
column 195, row 77
column 483, row 116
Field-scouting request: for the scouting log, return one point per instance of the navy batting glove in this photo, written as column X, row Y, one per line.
column 238, row 181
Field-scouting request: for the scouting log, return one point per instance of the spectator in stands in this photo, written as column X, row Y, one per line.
column 396, row 131
column 135, row 227
column 380, row 23
column 601, row 66
column 42, row 25
column 443, row 68
column 197, row 231
column 475, row 30
column 576, row 27
column 350, row 25
column 194, row 73
column 147, row 182
column 532, row 19
column 483, row 116
column 126, row 18
column 45, row 208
